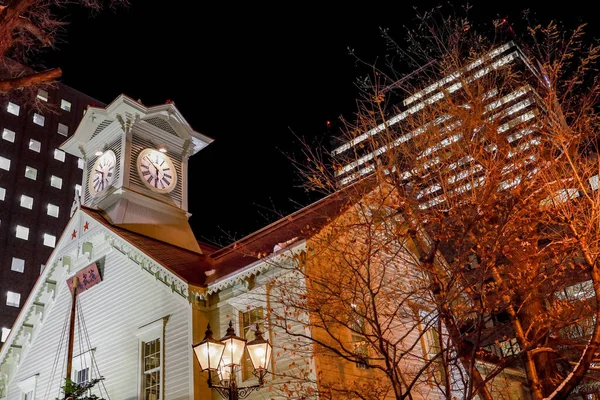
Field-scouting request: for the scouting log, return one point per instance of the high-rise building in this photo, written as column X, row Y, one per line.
column 38, row 182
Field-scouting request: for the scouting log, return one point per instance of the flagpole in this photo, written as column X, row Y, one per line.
column 72, row 328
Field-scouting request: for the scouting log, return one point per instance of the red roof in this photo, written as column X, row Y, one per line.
column 192, row 267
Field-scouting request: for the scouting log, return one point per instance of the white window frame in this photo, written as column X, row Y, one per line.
column 35, row 145
column 147, row 333
column 2, row 193
column 39, row 119
column 28, row 388
column 42, row 95
column 80, row 163
column 4, row 163
column 81, row 362
column 32, row 172
column 56, row 182
column 13, row 108
column 65, row 105
column 16, row 301
column 17, row 265
column 59, row 155
column 63, row 129
column 242, row 303
column 53, row 210
column 22, row 232
column 4, row 335
column 49, row 240
column 26, row 202
column 8, row 135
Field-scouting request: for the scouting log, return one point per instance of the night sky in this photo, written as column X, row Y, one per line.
column 250, row 77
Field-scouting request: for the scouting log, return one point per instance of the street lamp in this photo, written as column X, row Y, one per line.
column 225, row 357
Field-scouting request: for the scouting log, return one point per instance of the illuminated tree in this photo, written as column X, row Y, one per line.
column 26, row 27
column 472, row 217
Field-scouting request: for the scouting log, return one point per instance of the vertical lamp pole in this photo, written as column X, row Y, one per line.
column 225, row 356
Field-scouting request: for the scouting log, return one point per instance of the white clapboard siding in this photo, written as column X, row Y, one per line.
column 114, row 310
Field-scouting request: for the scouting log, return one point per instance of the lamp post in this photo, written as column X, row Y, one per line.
column 225, row 357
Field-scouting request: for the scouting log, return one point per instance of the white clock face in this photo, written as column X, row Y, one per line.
column 102, row 174
column 156, row 171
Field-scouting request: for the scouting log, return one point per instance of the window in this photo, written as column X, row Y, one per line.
column 8, row 135
column 249, row 320
column 28, row 388
column 38, row 119
column 151, row 369
column 80, row 163
column 63, row 129
column 594, row 182
column 22, row 232
column 431, row 342
column 42, row 268
column 59, row 155
column 357, row 327
column 13, row 108
column 78, row 190
column 2, row 193
column 65, row 105
column 31, row 173
column 5, row 333
column 17, row 265
column 83, row 368
column 26, row 202
column 34, row 145
column 509, row 347
column 42, row 95
column 56, row 182
column 151, row 338
column 53, row 210
column 49, row 240
column 13, row 299
column 4, row 164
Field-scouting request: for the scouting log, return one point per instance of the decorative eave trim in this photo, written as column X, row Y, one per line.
column 162, row 274
column 253, row 269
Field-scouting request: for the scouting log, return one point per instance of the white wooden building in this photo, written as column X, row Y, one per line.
column 159, row 286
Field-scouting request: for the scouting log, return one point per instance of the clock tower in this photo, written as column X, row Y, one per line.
column 136, row 167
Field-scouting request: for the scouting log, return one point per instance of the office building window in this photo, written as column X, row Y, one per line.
column 49, row 240
column 5, row 333
column 53, row 210
column 13, row 108
column 4, row 164
column 8, row 135
column 56, row 182
column 38, row 119
column 26, row 202
column 63, row 129
column 2, row 193
column 22, row 232
column 80, row 163
column 59, row 155
column 34, row 145
column 13, row 299
column 78, row 190
column 17, row 265
column 65, row 105
column 31, row 173
column 42, row 95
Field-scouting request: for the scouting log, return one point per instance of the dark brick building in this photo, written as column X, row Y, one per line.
column 38, row 183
